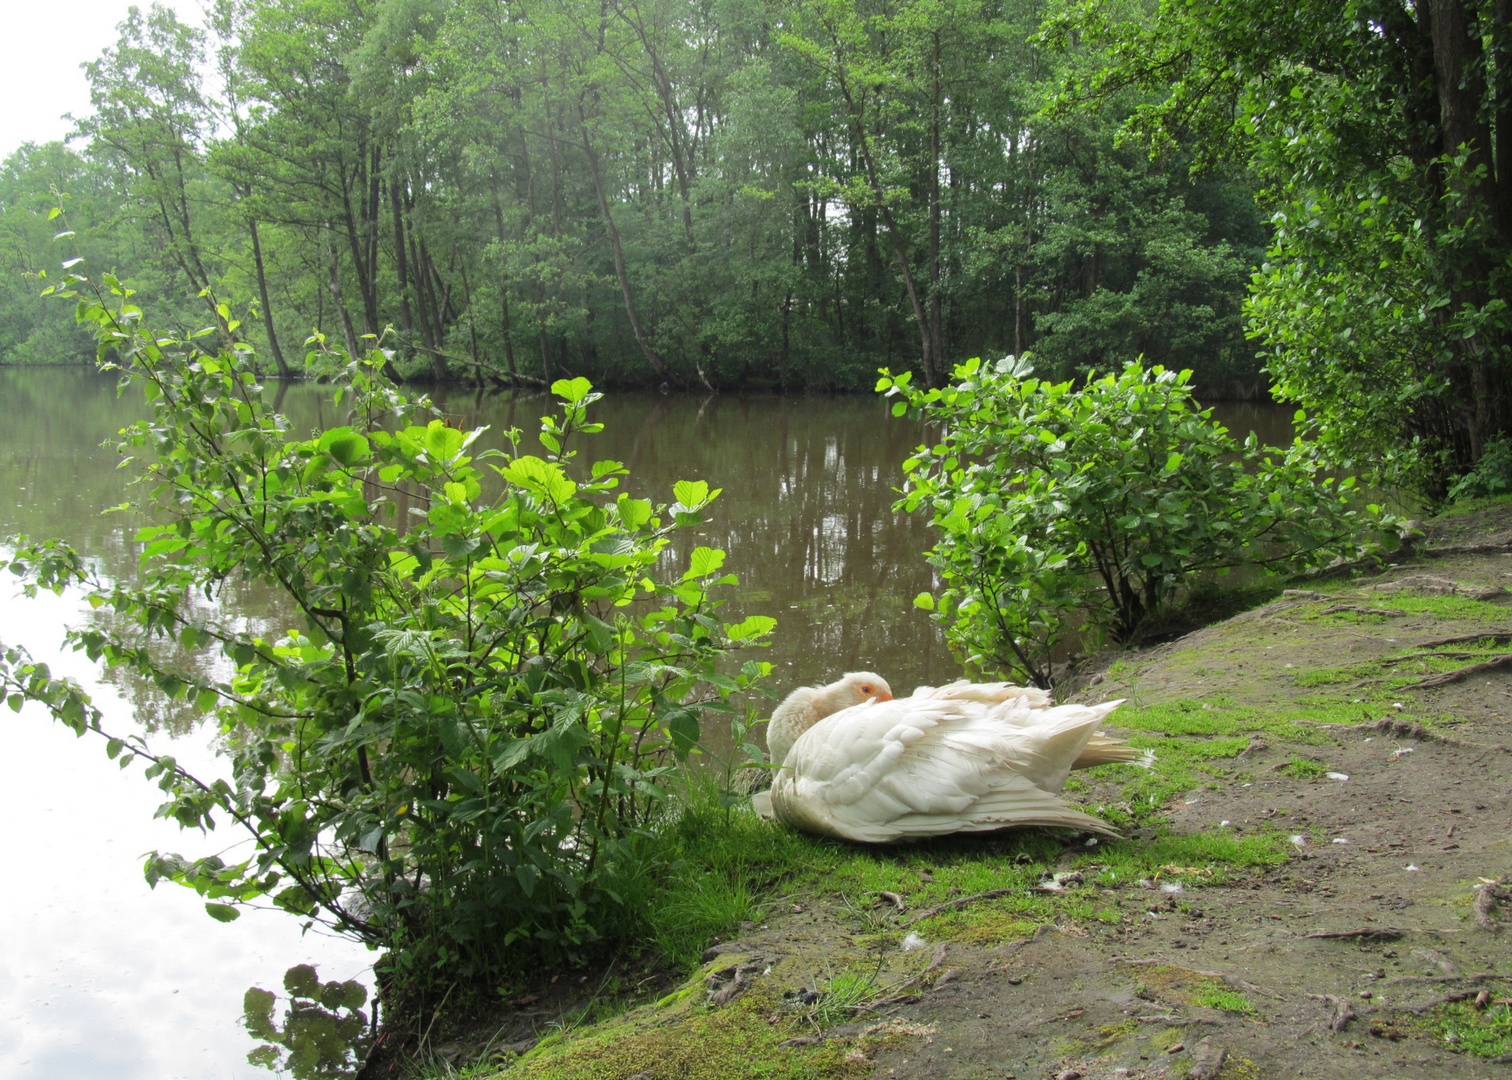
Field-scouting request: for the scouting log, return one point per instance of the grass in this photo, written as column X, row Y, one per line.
column 1216, row 996
column 1304, row 768
column 1455, row 608
column 1384, row 678
column 1207, row 858
column 1467, row 1030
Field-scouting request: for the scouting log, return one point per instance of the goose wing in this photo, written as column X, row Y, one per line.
column 927, row 766
column 986, row 693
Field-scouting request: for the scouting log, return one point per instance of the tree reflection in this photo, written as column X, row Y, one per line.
column 324, row 1032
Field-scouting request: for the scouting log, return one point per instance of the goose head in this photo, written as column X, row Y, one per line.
column 852, row 689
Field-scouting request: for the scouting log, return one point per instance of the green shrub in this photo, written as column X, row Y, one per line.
column 480, row 717
column 1057, row 506
column 1492, row 474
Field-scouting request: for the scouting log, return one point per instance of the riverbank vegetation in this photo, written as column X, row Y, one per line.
column 1065, row 513
column 463, row 753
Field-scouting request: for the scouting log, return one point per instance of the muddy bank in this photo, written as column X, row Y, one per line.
column 1312, row 884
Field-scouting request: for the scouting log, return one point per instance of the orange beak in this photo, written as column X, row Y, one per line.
column 884, row 697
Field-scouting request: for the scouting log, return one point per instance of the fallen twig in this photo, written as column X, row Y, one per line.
column 1484, row 976
column 1419, row 1010
column 1369, row 933
column 1390, row 613
column 894, row 899
column 1179, row 1021
column 963, row 901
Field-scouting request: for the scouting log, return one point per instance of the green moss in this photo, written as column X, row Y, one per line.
column 1472, row 506
column 1446, row 607
column 1239, row 1068
column 1109, row 1034
column 731, row 1043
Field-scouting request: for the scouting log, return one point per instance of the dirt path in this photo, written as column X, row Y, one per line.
column 1308, row 887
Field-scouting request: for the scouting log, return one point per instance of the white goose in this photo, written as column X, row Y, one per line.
column 860, row 765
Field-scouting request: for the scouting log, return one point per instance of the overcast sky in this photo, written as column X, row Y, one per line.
column 41, row 48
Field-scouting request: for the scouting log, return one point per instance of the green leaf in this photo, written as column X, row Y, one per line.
column 691, row 493
column 222, row 912
column 752, row 626
column 572, row 391
column 634, row 513
column 703, row 562
column 543, row 477
column 442, row 443
column 924, row 600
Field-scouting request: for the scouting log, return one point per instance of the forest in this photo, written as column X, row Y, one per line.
column 703, row 194
column 1310, row 200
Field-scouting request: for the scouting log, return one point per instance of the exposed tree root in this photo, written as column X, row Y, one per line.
column 1390, row 613
column 1490, row 896
column 1457, row 674
column 1461, row 639
column 1494, row 547
column 1343, row 1014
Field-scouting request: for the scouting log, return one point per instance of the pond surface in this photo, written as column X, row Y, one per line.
column 101, row 976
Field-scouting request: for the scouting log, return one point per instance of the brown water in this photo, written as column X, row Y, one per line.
column 109, row 980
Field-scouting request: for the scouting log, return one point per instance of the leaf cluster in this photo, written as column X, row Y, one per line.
column 1058, row 506
column 493, row 674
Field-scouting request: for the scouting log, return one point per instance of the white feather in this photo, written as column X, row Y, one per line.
column 955, row 759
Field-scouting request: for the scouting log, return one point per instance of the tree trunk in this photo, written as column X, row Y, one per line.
column 863, row 145
column 267, row 304
column 652, row 357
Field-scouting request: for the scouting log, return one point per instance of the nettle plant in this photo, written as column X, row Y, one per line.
column 1060, row 508
column 473, row 730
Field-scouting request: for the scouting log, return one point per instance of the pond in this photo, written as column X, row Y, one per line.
column 102, row 977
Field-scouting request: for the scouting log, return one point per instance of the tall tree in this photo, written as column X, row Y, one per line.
column 1383, row 133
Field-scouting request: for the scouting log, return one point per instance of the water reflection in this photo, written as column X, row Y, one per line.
column 324, row 1032
column 99, row 978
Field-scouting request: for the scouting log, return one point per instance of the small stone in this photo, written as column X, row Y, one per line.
column 1069, row 1074
column 1014, row 980
column 1178, row 1048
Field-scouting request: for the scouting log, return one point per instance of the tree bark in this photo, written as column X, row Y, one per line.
column 267, row 304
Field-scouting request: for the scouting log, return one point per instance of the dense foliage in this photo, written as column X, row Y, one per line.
column 1057, row 507
column 462, row 747
column 721, row 192
column 1381, row 136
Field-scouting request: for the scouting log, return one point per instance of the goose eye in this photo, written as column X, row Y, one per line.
column 866, row 688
